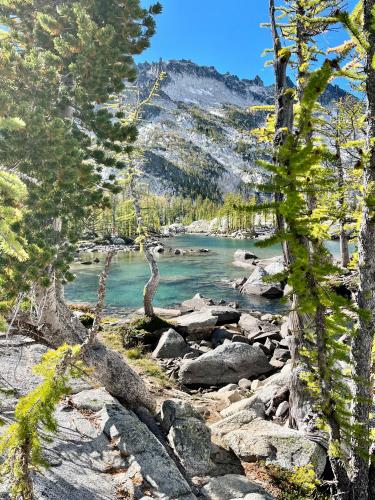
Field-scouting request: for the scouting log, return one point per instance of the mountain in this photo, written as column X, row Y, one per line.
column 196, row 133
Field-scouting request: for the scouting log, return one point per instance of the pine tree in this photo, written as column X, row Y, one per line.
column 60, row 63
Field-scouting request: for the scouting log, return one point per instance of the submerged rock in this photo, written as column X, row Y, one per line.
column 226, row 364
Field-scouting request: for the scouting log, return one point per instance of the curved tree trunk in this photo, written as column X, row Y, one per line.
column 152, row 284
column 55, row 325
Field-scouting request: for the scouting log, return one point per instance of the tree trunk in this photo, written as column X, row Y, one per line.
column 55, row 325
column 299, row 400
column 364, row 338
column 152, row 284
column 344, row 247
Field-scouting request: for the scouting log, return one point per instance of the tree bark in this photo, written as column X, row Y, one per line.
column 152, row 284
column 344, row 247
column 299, row 400
column 364, row 338
column 55, row 325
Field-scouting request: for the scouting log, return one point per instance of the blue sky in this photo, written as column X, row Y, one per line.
column 221, row 33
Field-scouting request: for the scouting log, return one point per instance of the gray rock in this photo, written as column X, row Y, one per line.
column 244, row 255
column 188, row 435
column 249, row 324
column 240, row 338
column 224, row 462
column 197, row 325
column 219, row 335
column 96, row 456
column 281, row 354
column 146, row 454
column 117, row 241
column 254, row 403
column 238, row 420
column 225, row 364
column 256, row 285
column 197, row 303
column 170, row 345
column 264, row 440
column 224, row 314
column 92, row 400
column 282, row 409
column 232, row 486
column 245, row 384
column 229, row 387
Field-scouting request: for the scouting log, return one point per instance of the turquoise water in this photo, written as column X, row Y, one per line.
column 182, row 276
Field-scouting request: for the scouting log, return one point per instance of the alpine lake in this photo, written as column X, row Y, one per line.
column 181, row 276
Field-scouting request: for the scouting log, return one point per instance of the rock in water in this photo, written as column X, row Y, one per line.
column 264, row 440
column 197, row 303
column 256, row 285
column 170, row 345
column 188, row 435
column 244, row 255
column 226, row 364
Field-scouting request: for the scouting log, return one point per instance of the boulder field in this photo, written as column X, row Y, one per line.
column 227, row 408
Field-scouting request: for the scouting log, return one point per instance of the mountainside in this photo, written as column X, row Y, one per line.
column 196, row 134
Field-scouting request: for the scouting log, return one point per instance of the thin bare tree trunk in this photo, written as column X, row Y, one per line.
column 56, row 325
column 344, row 247
column 364, row 338
column 152, row 284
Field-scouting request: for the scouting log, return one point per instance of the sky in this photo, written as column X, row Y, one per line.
column 221, row 33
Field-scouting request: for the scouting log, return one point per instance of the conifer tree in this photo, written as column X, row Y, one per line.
column 61, row 62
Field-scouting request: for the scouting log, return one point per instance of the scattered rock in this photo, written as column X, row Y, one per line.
column 219, row 335
column 188, row 435
column 264, row 440
column 224, row 314
column 244, row 384
column 197, row 325
column 256, row 285
column 249, row 324
column 197, row 303
column 238, row 420
column 171, row 345
column 282, row 409
column 232, row 486
column 254, row 403
column 225, row 364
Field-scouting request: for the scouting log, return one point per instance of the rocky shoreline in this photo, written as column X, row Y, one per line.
column 224, row 410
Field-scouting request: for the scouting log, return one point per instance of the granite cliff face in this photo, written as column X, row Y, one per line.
column 196, row 134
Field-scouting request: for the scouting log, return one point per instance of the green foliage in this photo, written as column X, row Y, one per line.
column 159, row 211
column 21, row 443
column 297, row 484
column 87, row 319
column 58, row 62
column 143, row 331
